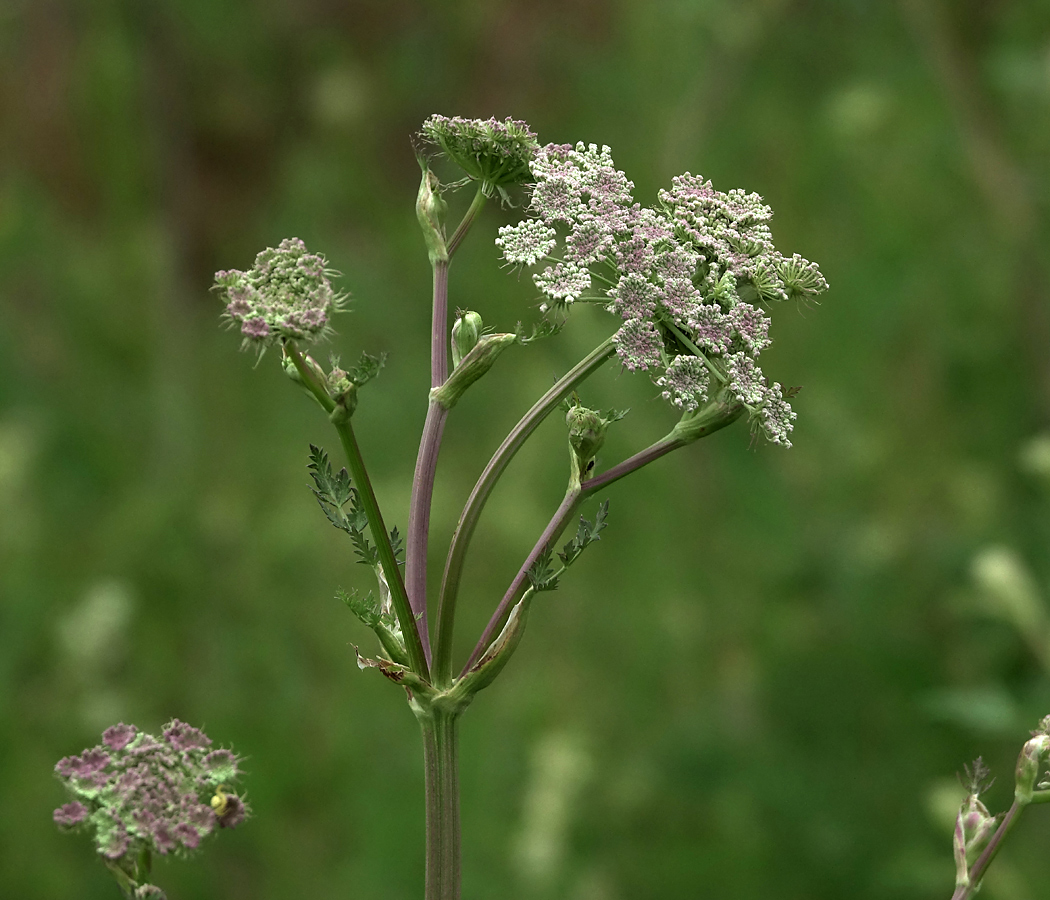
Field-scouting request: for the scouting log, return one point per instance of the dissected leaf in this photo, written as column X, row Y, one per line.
column 541, row 574
column 586, row 534
column 366, row 369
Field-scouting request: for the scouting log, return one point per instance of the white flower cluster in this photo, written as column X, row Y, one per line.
column 684, row 276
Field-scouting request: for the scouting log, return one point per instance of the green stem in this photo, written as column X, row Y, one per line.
column 468, row 219
column 359, row 475
column 468, row 519
column 690, row 428
column 387, row 560
column 441, row 777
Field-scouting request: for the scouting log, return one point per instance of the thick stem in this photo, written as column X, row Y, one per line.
column 417, row 541
column 439, row 326
column 441, row 776
column 419, row 517
column 965, row 891
column 468, row 519
column 426, row 461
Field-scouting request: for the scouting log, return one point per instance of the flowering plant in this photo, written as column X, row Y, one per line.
column 687, row 281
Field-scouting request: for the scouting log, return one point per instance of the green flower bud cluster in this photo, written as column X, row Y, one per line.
column 1029, row 764
column 493, row 153
column 974, row 827
column 587, row 429
column 465, row 334
column 430, row 210
column 286, row 294
column 340, row 385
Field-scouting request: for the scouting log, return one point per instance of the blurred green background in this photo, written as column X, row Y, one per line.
column 762, row 681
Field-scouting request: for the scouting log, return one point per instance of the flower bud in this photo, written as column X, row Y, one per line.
column 475, row 364
column 586, row 433
column 430, row 210
column 974, row 827
column 343, row 391
column 1029, row 763
column 465, row 334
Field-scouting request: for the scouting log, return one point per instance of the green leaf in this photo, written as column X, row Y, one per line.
column 334, row 492
column 586, row 534
column 544, row 328
column 541, row 574
column 367, row 368
column 365, row 608
column 397, row 544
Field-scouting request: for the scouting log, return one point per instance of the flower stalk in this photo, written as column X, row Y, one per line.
column 468, row 519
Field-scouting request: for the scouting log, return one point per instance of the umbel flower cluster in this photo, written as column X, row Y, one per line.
column 683, row 276
column 286, row 294
column 136, row 793
column 490, row 152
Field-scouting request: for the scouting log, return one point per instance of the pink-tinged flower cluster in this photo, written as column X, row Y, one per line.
column 135, row 791
column 285, row 294
column 684, row 277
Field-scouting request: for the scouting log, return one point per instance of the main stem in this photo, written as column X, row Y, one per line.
column 441, row 778
column 433, row 430
column 426, row 461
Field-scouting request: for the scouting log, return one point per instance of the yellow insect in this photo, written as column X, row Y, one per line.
column 220, row 801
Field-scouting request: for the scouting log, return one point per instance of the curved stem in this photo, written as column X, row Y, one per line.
column 464, row 226
column 569, row 505
column 398, row 594
column 715, row 420
column 468, row 519
column 965, row 891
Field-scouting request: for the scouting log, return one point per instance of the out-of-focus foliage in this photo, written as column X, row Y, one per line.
column 763, row 679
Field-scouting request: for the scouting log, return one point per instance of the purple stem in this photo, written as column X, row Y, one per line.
column 722, row 416
column 553, row 531
column 468, row 520
column 426, row 463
